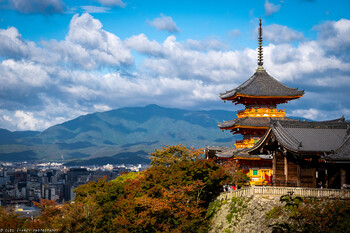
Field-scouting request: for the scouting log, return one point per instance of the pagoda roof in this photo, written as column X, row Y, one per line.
column 262, row 85
column 305, row 137
column 251, row 122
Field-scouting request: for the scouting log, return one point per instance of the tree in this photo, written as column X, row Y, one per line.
column 173, row 154
column 237, row 174
column 171, row 196
column 311, row 215
column 10, row 220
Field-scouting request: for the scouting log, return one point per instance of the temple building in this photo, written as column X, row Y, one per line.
column 307, row 154
column 277, row 150
column 260, row 95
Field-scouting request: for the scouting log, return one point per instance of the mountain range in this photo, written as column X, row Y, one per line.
column 125, row 135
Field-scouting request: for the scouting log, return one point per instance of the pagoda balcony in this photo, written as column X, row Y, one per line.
column 261, row 112
column 246, row 143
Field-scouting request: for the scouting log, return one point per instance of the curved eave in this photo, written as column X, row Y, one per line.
column 265, row 138
column 235, row 97
column 260, row 142
column 244, row 127
column 246, row 158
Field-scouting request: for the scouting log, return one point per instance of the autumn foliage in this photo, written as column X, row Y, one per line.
column 311, row 215
column 170, row 196
column 169, row 155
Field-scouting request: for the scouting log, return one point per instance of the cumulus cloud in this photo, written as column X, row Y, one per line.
column 34, row 6
column 89, row 46
column 281, row 34
column 93, row 70
column 271, row 8
column 334, row 36
column 164, row 23
column 189, row 60
column 95, row 9
column 292, row 63
column 311, row 114
column 13, row 46
column 206, row 45
column 141, row 44
column 112, row 3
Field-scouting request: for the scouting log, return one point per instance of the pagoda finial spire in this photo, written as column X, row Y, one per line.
column 260, row 49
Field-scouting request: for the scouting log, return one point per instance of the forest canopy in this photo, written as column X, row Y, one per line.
column 170, row 196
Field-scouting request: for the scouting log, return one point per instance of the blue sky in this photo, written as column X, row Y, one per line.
column 61, row 59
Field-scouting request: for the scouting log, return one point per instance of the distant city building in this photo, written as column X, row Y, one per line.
column 23, row 183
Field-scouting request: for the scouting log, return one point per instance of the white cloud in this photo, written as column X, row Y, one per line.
column 320, row 114
column 185, row 60
column 101, row 107
column 290, row 63
column 12, row 45
column 311, row 113
column 164, row 23
column 22, row 74
column 141, row 44
column 26, row 120
column 89, row 46
column 112, row 3
column 95, row 9
column 281, row 34
column 271, row 8
column 34, row 6
column 206, row 45
column 334, row 36
column 92, row 70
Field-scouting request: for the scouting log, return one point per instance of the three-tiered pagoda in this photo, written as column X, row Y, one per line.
column 260, row 95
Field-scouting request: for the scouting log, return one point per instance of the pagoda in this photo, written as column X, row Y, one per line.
column 260, row 95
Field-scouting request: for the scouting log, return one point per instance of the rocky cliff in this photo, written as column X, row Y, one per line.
column 244, row 214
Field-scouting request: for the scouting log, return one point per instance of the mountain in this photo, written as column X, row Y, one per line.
column 8, row 137
column 105, row 135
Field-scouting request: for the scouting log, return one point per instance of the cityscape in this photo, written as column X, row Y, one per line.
column 22, row 183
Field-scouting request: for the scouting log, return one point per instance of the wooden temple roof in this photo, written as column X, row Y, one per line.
column 306, row 137
column 343, row 152
column 262, row 85
column 250, row 122
column 233, row 153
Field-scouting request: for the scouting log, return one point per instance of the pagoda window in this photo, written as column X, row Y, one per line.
column 255, row 172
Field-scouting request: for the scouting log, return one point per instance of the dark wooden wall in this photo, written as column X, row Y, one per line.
column 288, row 173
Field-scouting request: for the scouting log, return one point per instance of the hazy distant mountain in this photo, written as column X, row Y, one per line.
column 134, row 131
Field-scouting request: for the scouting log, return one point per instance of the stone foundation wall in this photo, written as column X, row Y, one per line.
column 244, row 214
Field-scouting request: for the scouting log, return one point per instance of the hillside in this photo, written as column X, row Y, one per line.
column 128, row 131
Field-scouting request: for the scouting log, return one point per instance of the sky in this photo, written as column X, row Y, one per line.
column 60, row 59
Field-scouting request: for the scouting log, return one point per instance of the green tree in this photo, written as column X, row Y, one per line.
column 173, row 154
column 312, row 215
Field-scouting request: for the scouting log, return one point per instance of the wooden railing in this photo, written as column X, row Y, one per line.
column 279, row 191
